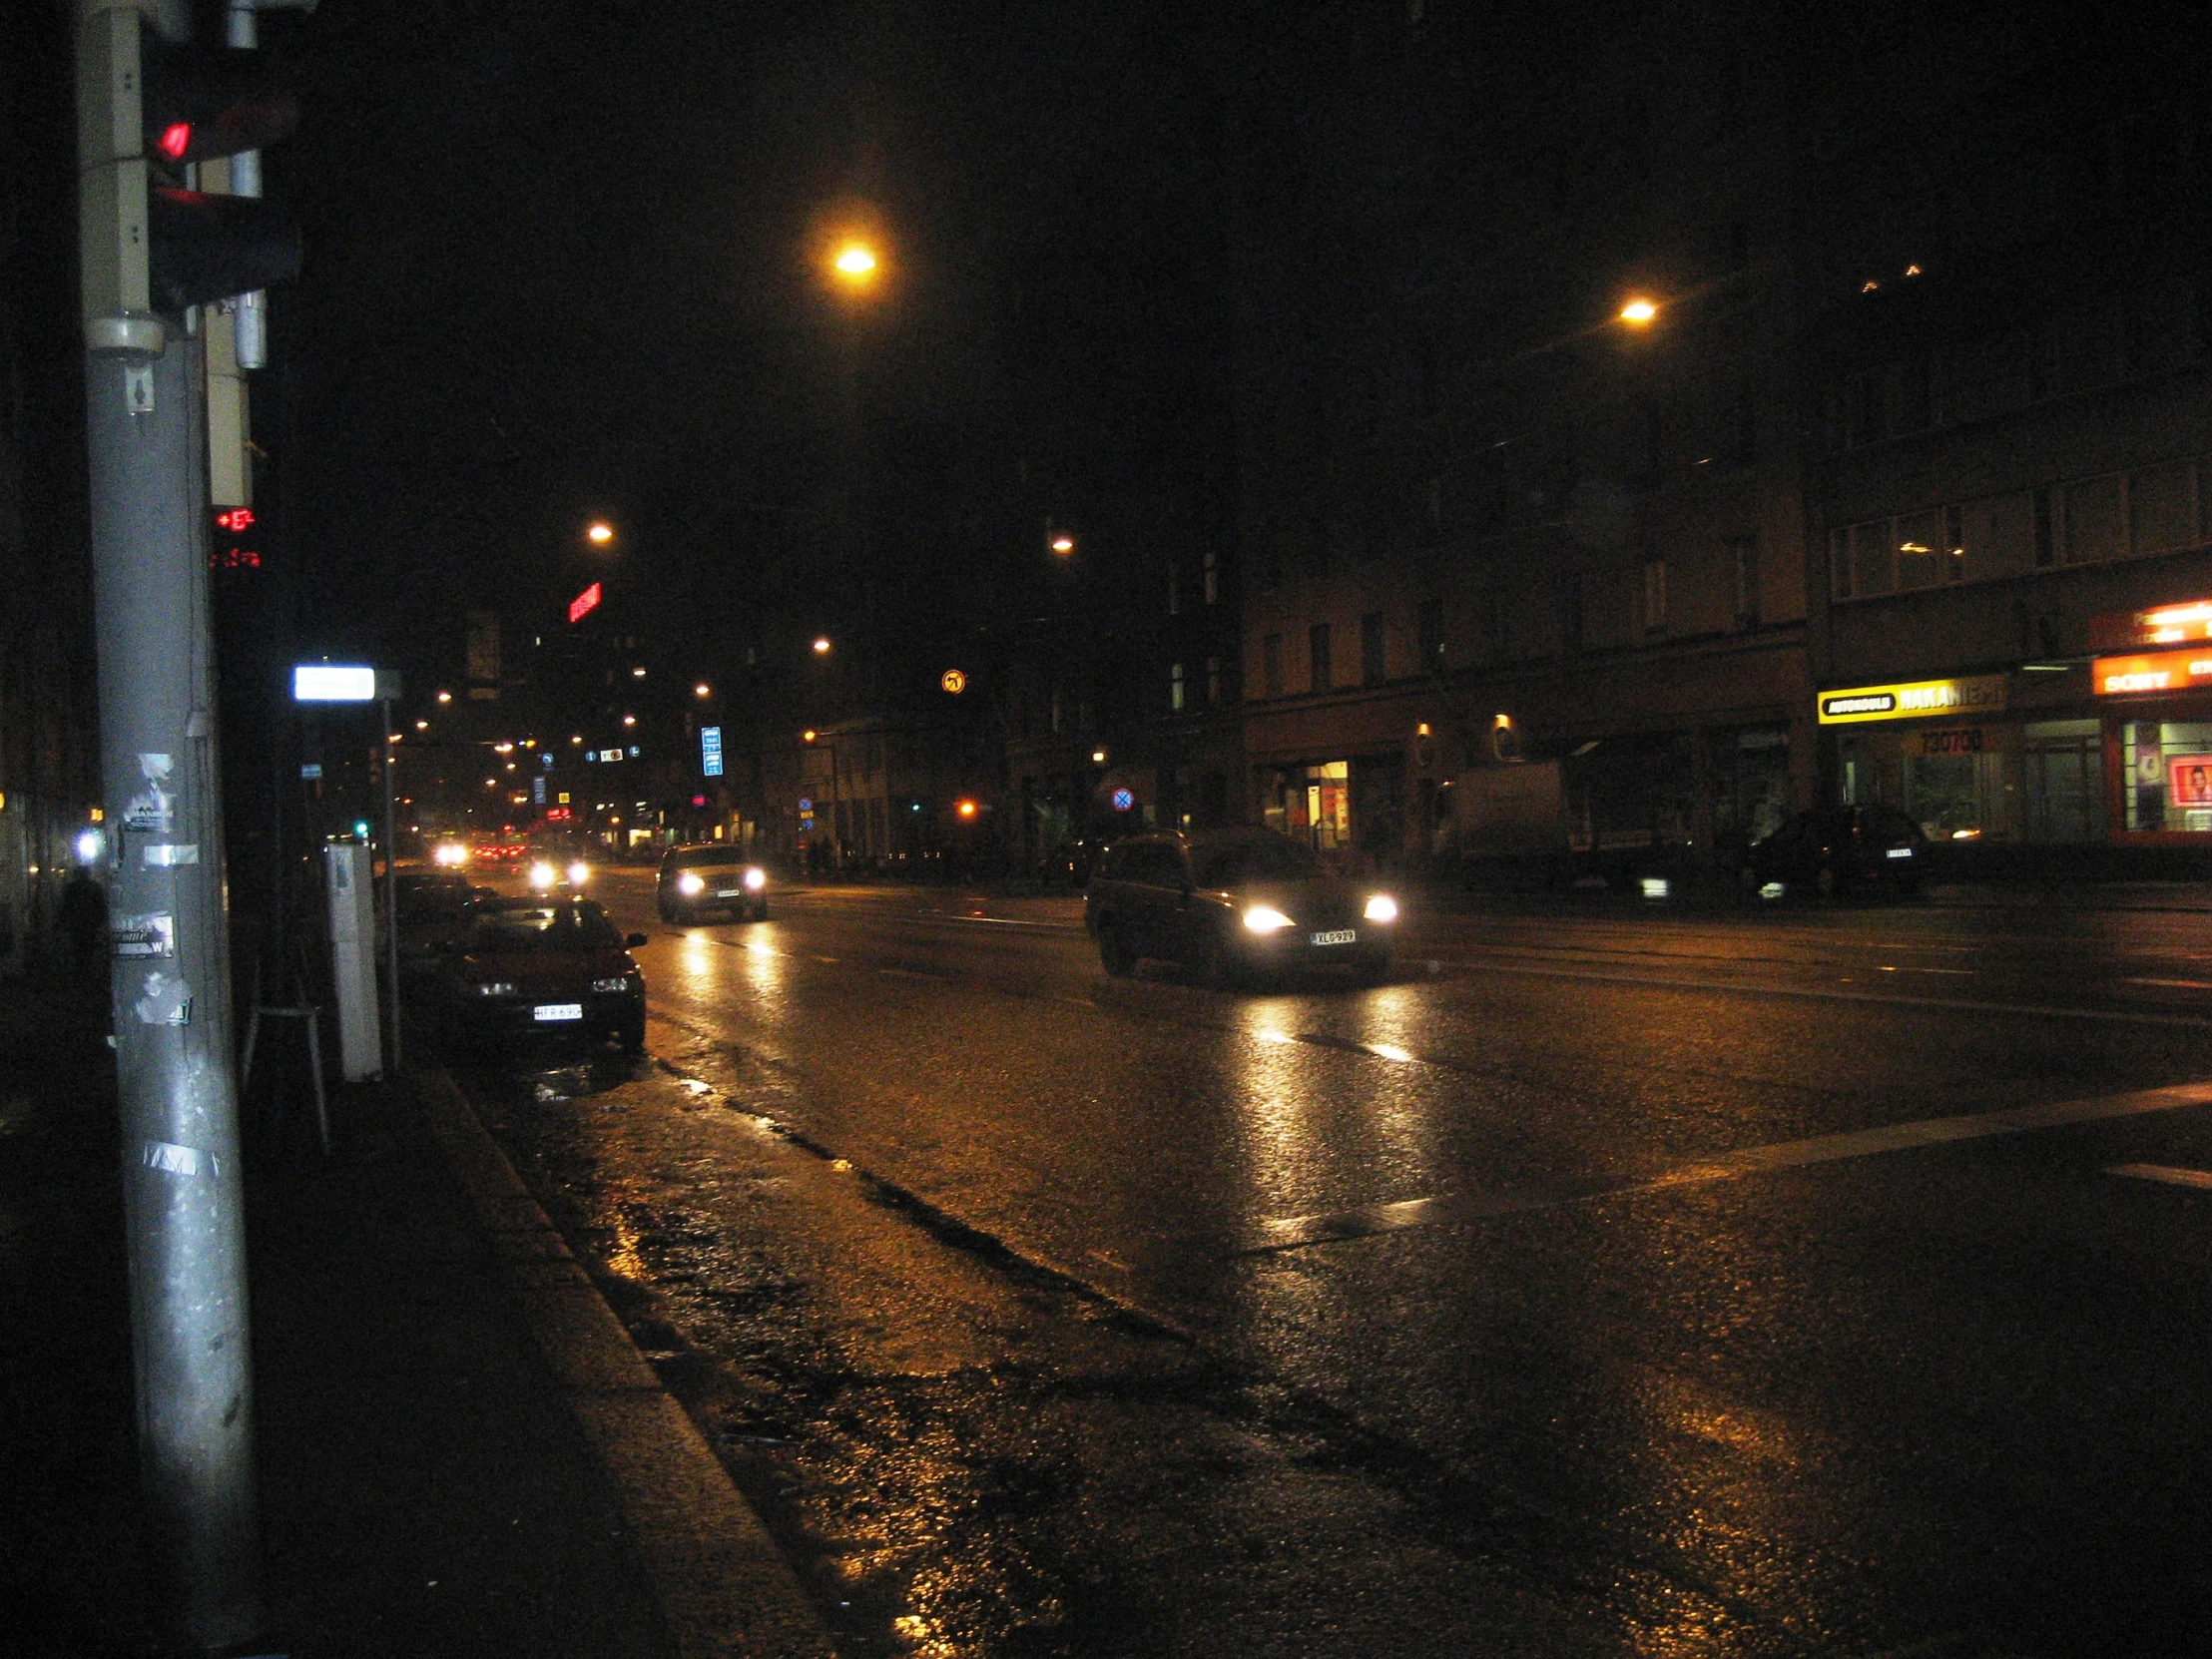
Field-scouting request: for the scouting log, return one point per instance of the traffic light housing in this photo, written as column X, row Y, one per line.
column 148, row 108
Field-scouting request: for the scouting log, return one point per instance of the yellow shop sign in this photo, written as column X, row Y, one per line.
column 1978, row 694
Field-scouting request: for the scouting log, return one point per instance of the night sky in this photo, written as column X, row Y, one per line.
column 559, row 266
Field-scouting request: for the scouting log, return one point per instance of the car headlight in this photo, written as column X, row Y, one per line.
column 1264, row 918
column 542, row 874
column 578, row 873
column 452, row 855
column 496, row 987
column 1381, row 907
column 755, row 880
column 620, row 982
column 690, row 885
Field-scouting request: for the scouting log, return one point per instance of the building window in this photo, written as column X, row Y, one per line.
column 1433, row 636
column 1213, row 578
column 1371, row 665
column 1744, row 558
column 1175, row 590
column 1271, row 665
column 1655, row 595
column 1317, row 649
column 1175, row 686
column 1213, row 681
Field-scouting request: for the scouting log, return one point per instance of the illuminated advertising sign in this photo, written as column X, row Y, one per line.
column 710, row 751
column 2183, row 623
column 330, row 683
column 584, row 603
column 1916, row 700
column 2189, row 780
column 2160, row 670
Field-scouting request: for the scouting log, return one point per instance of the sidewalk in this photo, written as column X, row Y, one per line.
column 424, row 1488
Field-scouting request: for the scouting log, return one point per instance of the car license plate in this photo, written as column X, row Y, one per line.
column 728, row 892
column 559, row 1010
column 1340, row 935
column 1901, row 853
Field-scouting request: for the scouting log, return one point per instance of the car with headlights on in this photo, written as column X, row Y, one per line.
column 549, row 874
column 530, row 969
column 1227, row 904
column 699, row 880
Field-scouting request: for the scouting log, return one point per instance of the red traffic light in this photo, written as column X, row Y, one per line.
column 202, row 102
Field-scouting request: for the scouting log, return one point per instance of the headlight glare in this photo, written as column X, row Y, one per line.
column 755, row 880
column 1264, row 919
column 1381, row 907
column 542, row 874
column 690, row 885
column 578, row 873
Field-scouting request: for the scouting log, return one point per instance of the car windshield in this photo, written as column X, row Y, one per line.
column 545, row 928
column 705, row 857
column 1259, row 858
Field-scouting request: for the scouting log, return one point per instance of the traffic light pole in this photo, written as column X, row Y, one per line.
column 184, row 1191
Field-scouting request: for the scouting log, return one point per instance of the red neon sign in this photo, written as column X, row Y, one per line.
column 584, row 603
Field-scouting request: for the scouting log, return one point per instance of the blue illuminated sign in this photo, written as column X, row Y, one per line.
column 1123, row 801
column 710, row 751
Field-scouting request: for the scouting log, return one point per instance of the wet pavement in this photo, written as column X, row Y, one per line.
column 1612, row 1280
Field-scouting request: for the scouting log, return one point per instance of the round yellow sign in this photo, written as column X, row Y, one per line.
column 954, row 680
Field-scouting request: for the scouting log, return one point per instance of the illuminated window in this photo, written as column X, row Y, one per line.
column 1175, row 686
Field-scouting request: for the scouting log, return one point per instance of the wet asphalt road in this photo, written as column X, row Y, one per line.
column 1608, row 1282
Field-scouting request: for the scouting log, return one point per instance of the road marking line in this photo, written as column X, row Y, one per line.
column 1823, row 994
column 2173, row 984
column 1291, row 1232
column 2162, row 1171
column 906, row 973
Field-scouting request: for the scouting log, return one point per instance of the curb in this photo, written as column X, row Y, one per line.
column 722, row 1586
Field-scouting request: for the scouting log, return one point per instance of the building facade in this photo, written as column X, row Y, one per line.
column 1488, row 517
column 2009, row 429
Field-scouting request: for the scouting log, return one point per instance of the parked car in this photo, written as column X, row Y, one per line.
column 528, row 969
column 1832, row 849
column 698, row 880
column 1224, row 903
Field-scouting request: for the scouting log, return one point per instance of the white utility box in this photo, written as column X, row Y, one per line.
column 352, row 891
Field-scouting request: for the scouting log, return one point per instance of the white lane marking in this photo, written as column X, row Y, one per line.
column 1291, row 1231
column 1902, row 1137
column 1822, row 993
column 906, row 973
column 2162, row 1171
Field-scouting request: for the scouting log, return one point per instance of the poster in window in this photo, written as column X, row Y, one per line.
column 2189, row 780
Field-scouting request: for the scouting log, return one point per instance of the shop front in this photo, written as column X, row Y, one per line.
column 2155, row 692
column 1975, row 757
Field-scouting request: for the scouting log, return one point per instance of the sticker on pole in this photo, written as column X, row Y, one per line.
column 147, row 935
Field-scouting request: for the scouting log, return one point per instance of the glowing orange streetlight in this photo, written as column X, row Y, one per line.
column 600, row 533
column 856, row 264
column 822, row 645
column 1639, row 311
column 1063, row 544
column 703, row 690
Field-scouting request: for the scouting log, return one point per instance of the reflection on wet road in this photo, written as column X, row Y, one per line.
column 1652, row 1284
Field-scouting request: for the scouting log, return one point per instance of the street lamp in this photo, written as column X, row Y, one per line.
column 1063, row 544
column 703, row 690
column 822, row 645
column 1639, row 311
column 600, row 533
